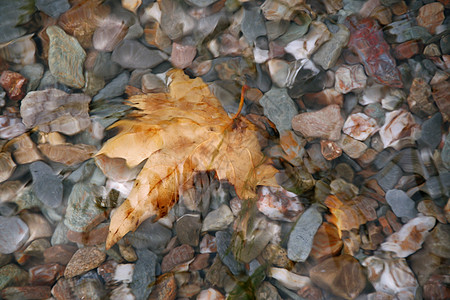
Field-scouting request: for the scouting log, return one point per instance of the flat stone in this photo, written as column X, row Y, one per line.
column 253, row 25
column 13, row 234
column 441, row 92
column 46, row 274
column 401, row 204
column 188, row 229
column 38, row 225
column 144, row 274
column 133, row 55
column 12, row 275
column 279, row 108
column 60, row 254
column 109, row 34
column 431, row 16
column 7, row 166
column 85, row 259
column 65, row 57
column 176, row 256
column 351, row 146
column 53, row 8
column 410, row 237
column 360, row 126
column 305, row 77
column 325, row 123
column 399, row 125
column 322, row 99
column 327, row 242
column 329, row 52
column 82, row 213
column 223, row 241
column 305, row 46
column 113, row 89
column 388, row 177
column 279, row 204
column 26, row 292
column 301, row 237
column 419, row 98
column 153, row 236
column 288, row 279
column 218, row 219
column 350, row 78
column 55, row 110
column 47, row 185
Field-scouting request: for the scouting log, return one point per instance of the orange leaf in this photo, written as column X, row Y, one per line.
column 180, row 133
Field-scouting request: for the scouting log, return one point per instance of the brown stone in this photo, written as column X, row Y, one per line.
column 352, row 242
column 360, row 126
column 154, row 36
column 342, row 275
column 399, row 8
column 330, row 150
column 325, row 123
column 367, row 157
column 60, row 254
column 407, row 49
column 382, row 14
column 374, row 237
column 189, row 290
column 63, row 289
column 437, row 287
column 46, row 274
column 277, row 256
column 14, row 85
column 323, row 99
column 419, row 98
column 83, row 260
column 177, row 256
column 441, row 94
column 165, row 288
column 351, row 146
column 431, row 16
column 200, row 262
column 208, row 244
column 182, row 55
column 429, row 208
column 293, row 145
column 350, row 78
column 310, row 292
column 26, row 292
column 107, row 270
column 393, row 220
column 23, row 149
column 68, row 154
column 387, row 230
column 93, row 237
column 327, row 242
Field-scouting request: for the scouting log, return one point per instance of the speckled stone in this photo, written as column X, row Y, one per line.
column 83, row 260
column 65, row 57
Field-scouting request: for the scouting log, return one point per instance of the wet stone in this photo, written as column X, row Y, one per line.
column 13, row 234
column 7, row 166
column 351, row 146
column 12, row 275
column 218, row 219
column 14, row 85
column 441, row 93
column 431, row 16
column 350, row 78
column 388, row 177
column 359, row 126
column 279, row 204
column 419, row 98
column 401, row 204
column 407, row 49
column 301, row 238
column 166, row 288
column 305, row 46
column 150, row 235
column 176, row 256
column 46, row 274
column 60, row 254
column 188, row 229
column 279, row 108
column 109, row 34
column 305, row 77
column 342, row 275
column 144, row 274
column 132, row 54
column 53, row 8
column 399, row 125
column 65, row 57
column 327, row 242
column 223, row 241
column 329, row 52
column 83, row 260
column 46, row 185
column 26, row 292
column 325, row 123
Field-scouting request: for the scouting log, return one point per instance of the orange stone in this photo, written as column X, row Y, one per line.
column 330, row 150
column 431, row 16
column 327, row 242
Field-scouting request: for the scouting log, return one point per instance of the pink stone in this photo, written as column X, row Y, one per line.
column 407, row 49
column 200, row 262
column 279, row 204
column 360, row 126
column 431, row 16
column 14, row 85
column 330, row 150
column 350, row 78
column 177, row 256
column 399, row 124
column 182, row 55
column 46, row 274
column 410, row 237
column 60, row 254
column 325, row 123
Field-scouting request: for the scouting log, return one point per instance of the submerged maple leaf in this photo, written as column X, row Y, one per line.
column 180, row 133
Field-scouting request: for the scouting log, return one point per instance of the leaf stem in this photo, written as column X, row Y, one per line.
column 241, row 103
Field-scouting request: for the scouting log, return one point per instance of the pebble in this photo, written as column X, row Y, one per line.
column 83, row 260
column 279, row 108
column 352, row 147
column 401, row 204
column 341, row 275
column 55, row 110
column 113, row 89
column 177, row 256
column 223, row 241
column 166, row 288
column 418, row 102
column 360, row 126
column 391, row 275
column 47, row 186
column 301, row 238
column 150, row 235
column 144, row 274
column 53, row 8
column 46, row 274
column 305, row 46
column 26, row 292
column 431, row 16
column 65, row 57
column 350, row 78
column 327, row 242
column 14, row 85
column 38, row 226
column 328, row 54
column 133, row 55
column 218, row 219
column 399, row 124
column 208, row 244
column 279, row 204
column 410, row 237
column 12, row 275
column 288, row 279
column 325, row 123
column 7, row 166
column 60, row 254
column 109, row 34
column 13, row 234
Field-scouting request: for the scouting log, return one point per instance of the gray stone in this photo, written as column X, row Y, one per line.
column 175, row 21
column 144, row 274
column 279, row 108
column 218, row 219
column 150, row 235
column 301, row 238
column 115, row 88
column 152, row 84
column 65, row 57
column 401, row 204
column 53, row 8
column 305, row 77
column 13, row 13
column 223, row 241
column 445, row 44
column 34, row 74
column 201, row 3
column 431, row 131
column 329, row 52
column 445, row 154
column 388, row 177
column 104, row 67
column 188, row 229
column 13, row 234
column 253, row 25
column 82, row 212
column 47, row 185
column 132, row 54
column 60, row 235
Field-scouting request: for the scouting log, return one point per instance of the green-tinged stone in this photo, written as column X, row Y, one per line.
column 93, row 84
column 65, row 57
column 12, row 275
